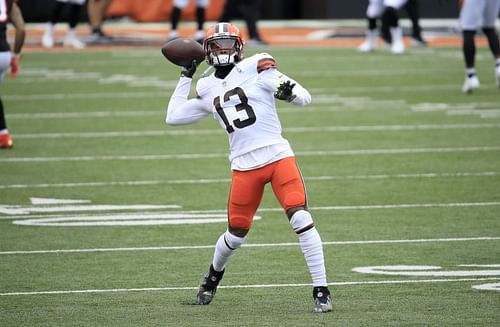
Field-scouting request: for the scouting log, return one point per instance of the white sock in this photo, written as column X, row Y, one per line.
column 226, row 246
column 173, row 33
column 470, row 72
column 312, row 248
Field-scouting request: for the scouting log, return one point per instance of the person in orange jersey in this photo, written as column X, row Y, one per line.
column 241, row 95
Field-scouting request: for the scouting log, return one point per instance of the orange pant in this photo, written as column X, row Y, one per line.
column 247, row 188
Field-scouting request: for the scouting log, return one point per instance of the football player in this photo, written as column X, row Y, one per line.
column 388, row 11
column 75, row 7
column 179, row 5
column 96, row 10
column 476, row 14
column 240, row 94
column 9, row 11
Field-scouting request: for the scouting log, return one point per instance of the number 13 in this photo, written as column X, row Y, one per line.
column 243, row 105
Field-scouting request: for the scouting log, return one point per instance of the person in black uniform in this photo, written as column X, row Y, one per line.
column 9, row 58
column 249, row 10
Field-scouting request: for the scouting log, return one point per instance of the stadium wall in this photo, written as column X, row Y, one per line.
column 159, row 10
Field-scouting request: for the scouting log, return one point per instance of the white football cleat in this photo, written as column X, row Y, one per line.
column 370, row 43
column 470, row 84
column 73, row 42
column 397, row 46
column 48, row 39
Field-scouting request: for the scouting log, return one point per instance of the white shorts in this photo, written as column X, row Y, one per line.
column 76, row 2
column 5, row 57
column 478, row 13
column 376, row 7
column 183, row 3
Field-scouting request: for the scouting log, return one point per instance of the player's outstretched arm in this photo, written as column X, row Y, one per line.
column 291, row 91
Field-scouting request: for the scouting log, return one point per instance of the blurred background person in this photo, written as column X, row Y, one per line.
column 387, row 10
column 249, row 10
column 9, row 58
column 413, row 10
column 178, row 6
column 475, row 14
column 96, row 10
column 75, row 7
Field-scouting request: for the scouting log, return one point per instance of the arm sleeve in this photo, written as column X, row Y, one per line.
column 180, row 110
column 270, row 79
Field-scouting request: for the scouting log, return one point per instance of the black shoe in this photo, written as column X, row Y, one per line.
column 418, row 41
column 322, row 299
column 208, row 286
column 99, row 37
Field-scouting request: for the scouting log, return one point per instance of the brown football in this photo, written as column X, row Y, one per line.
column 182, row 51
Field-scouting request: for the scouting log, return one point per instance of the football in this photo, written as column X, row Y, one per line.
column 182, row 51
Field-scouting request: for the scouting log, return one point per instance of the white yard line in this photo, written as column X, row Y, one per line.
column 227, row 180
column 8, row 210
column 192, row 156
column 189, row 288
column 257, row 245
column 214, row 131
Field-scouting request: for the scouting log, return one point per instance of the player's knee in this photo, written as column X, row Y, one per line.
column 239, row 224
column 233, row 241
column 294, row 199
column 301, row 221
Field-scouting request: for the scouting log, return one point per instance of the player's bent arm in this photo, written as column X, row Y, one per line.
column 272, row 78
column 180, row 110
column 303, row 97
column 20, row 33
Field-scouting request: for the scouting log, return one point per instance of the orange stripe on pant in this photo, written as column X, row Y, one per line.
column 247, row 188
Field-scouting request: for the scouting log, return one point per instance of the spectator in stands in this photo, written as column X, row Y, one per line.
column 9, row 58
column 96, row 10
column 70, row 40
column 249, row 10
column 178, row 6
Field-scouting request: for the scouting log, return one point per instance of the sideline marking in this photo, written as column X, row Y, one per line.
column 126, row 219
column 217, row 131
column 226, row 180
column 257, row 245
column 427, row 271
column 192, row 156
column 488, row 287
column 12, row 210
column 186, row 288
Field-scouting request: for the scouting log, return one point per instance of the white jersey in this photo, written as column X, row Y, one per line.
column 244, row 105
column 376, row 7
column 478, row 13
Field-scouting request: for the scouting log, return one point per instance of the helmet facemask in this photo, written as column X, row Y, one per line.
column 223, row 45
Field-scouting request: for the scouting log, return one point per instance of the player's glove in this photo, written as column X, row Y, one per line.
column 189, row 71
column 285, row 91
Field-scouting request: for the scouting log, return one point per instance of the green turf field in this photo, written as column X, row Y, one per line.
column 108, row 216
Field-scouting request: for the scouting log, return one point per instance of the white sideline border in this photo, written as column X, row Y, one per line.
column 312, row 153
column 256, row 245
column 190, row 288
column 227, row 180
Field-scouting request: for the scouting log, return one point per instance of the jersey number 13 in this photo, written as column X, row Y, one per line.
column 242, row 106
